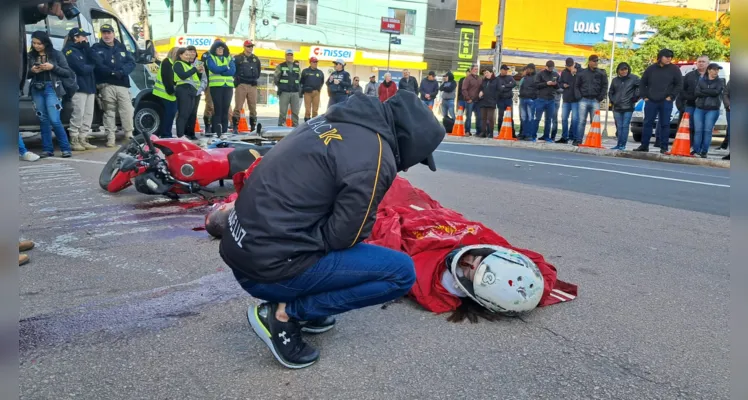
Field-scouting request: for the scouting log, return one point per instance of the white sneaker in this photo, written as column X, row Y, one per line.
column 29, row 156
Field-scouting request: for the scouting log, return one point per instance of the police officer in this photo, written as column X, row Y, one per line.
column 287, row 79
column 248, row 69
column 113, row 67
column 312, row 80
column 81, row 60
column 339, row 83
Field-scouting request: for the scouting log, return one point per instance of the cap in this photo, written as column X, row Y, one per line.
column 106, row 28
column 339, row 61
column 665, row 53
column 289, row 51
column 78, row 32
column 248, row 43
column 550, row 64
column 530, row 66
column 714, row 66
column 432, row 73
column 505, row 67
column 569, row 62
column 594, row 58
column 313, row 59
column 373, row 76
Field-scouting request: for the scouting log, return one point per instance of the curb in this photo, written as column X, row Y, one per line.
column 596, row 152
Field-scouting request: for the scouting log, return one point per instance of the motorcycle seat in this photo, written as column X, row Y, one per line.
column 241, row 158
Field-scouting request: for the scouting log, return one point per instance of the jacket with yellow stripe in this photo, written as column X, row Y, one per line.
column 318, row 189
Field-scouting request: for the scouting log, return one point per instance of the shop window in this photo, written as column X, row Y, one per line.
column 302, row 12
column 407, row 20
column 60, row 27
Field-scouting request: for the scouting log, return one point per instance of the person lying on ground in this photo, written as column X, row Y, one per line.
column 294, row 237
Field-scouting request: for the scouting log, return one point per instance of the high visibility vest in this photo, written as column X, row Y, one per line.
column 159, row 90
column 289, row 78
column 220, row 80
column 193, row 80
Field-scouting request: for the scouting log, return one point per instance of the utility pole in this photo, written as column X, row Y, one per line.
column 252, row 20
column 610, row 74
column 499, row 36
column 389, row 48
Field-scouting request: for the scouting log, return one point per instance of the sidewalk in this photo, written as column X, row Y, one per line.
column 714, row 158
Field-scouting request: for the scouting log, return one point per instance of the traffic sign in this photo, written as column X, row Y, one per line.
column 395, row 40
column 390, row 25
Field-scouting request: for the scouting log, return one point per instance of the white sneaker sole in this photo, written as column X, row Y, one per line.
column 254, row 321
column 307, row 329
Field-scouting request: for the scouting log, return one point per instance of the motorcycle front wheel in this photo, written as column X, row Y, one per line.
column 111, row 178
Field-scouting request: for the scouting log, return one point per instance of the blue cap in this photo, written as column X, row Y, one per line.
column 78, row 32
column 106, row 28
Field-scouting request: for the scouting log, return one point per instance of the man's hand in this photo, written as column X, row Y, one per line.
column 480, row 95
column 550, row 83
column 646, row 99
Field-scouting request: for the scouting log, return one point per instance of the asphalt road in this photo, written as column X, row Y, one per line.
column 123, row 299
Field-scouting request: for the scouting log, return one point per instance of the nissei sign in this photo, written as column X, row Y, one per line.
column 332, row 53
column 200, row 42
column 590, row 27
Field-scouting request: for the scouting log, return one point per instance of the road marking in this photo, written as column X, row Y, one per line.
column 78, row 160
column 664, row 178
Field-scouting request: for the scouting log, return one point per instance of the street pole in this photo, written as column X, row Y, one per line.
column 499, row 37
column 252, row 20
column 610, row 74
column 389, row 48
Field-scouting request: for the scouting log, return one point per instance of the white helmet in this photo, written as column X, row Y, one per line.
column 505, row 282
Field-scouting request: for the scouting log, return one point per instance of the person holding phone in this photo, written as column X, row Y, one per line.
column 547, row 83
column 190, row 130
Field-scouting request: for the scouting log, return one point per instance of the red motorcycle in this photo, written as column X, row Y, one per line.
column 172, row 167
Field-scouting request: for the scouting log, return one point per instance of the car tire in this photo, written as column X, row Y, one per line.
column 147, row 118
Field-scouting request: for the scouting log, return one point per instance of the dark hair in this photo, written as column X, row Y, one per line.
column 181, row 51
column 216, row 221
column 191, row 48
column 471, row 311
column 44, row 38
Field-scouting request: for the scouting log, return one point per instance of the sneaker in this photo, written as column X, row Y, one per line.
column 562, row 141
column 66, row 154
column 615, row 148
column 642, row 148
column 282, row 338
column 320, row 325
column 29, row 156
column 47, row 154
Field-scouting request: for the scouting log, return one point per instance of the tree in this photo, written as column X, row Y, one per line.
column 687, row 38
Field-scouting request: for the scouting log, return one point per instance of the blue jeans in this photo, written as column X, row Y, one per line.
column 554, row 118
column 170, row 113
column 361, row 276
column 48, row 107
column 470, row 109
column 448, row 108
column 652, row 109
column 623, row 124
column 587, row 107
column 428, row 103
column 527, row 116
column 21, row 145
column 704, row 121
column 569, row 131
column 548, row 107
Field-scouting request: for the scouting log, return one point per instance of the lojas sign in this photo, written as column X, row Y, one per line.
column 590, row 27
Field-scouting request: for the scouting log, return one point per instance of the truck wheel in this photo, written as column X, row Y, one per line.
column 148, row 117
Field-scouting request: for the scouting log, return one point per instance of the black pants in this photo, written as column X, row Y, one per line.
column 221, row 102
column 190, row 129
column 185, row 103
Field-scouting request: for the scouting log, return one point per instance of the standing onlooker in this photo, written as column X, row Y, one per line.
column 688, row 95
column 471, row 90
column 408, row 82
column 506, row 85
column 114, row 63
column 356, row 88
column 311, row 83
column 429, row 89
column 339, row 83
column 248, row 68
column 448, row 89
column 547, row 82
column 387, row 89
column 623, row 94
column 187, row 81
column 528, row 93
column 372, row 86
column 209, row 110
column 709, row 98
column 590, row 86
column 556, row 108
column 460, row 97
column 164, row 89
column 221, row 82
column 202, row 74
column 726, row 100
column 660, row 85
column 488, row 95
column 47, row 68
column 80, row 58
column 571, row 102
column 23, row 153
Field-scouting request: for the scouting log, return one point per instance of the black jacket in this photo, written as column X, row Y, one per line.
column 429, row 87
column 506, row 85
column 80, row 58
column 61, row 76
column 290, row 214
column 113, row 64
column 659, row 83
column 541, row 82
column 726, row 97
column 624, row 92
column 569, row 94
column 248, row 69
column 311, row 80
column 411, row 84
column 688, row 94
column 460, row 97
column 527, row 88
column 490, row 89
column 709, row 94
column 448, row 87
column 345, row 82
column 591, row 84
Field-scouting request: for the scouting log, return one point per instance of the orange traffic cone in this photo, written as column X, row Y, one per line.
column 595, row 137
column 459, row 127
column 505, row 133
column 198, row 129
column 243, row 126
column 289, row 121
column 682, row 143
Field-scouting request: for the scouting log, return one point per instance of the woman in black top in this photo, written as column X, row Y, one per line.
column 489, row 94
column 709, row 91
column 187, row 83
